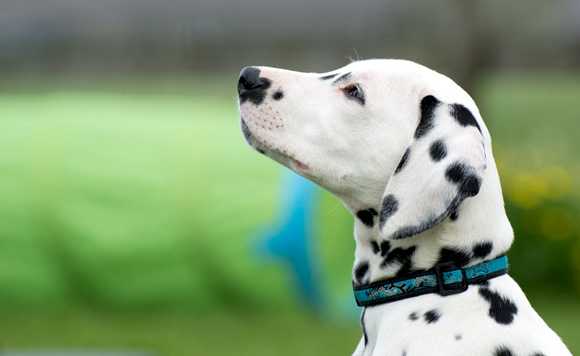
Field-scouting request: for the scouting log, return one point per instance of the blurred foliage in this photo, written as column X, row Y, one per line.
column 534, row 121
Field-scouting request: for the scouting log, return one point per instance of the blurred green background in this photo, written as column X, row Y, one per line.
column 134, row 216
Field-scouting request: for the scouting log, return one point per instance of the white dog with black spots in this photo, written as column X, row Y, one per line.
column 409, row 155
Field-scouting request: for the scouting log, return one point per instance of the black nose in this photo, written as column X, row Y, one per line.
column 251, row 86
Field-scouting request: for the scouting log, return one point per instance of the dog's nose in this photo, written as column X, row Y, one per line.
column 251, row 86
column 249, row 80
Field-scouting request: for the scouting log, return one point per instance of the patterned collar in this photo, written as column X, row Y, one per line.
column 444, row 279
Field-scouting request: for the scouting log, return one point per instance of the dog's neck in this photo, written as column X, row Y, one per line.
column 475, row 233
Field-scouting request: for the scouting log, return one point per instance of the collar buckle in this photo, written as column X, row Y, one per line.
column 452, row 287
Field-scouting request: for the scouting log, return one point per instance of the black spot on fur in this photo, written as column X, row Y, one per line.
column 327, row 77
column 454, row 216
column 342, row 78
column 367, row 216
column 470, row 186
column 538, row 354
column 502, row 351
column 483, row 249
column 459, row 173
column 459, row 257
column 403, row 161
column 413, row 316
column 501, row 309
column 432, row 316
column 385, row 247
column 463, row 116
column 456, row 172
column 278, row 95
column 375, row 247
column 258, row 99
column 404, row 352
column 458, row 337
column 389, row 207
column 363, row 326
column 402, row 257
column 438, row 150
column 428, row 106
column 360, row 271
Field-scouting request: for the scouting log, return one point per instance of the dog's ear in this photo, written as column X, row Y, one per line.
column 443, row 165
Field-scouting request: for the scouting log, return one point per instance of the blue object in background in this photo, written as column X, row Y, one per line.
column 292, row 236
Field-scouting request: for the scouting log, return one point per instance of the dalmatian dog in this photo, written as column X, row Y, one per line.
column 407, row 152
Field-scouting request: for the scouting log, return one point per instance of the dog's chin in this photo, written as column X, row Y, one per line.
column 285, row 159
column 296, row 165
column 277, row 155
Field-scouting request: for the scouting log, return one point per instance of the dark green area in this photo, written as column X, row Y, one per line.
column 219, row 331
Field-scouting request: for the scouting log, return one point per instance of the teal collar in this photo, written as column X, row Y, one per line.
column 444, row 279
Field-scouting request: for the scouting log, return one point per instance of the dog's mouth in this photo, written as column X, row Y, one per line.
column 303, row 166
column 274, row 153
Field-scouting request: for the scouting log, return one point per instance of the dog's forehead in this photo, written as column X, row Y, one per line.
column 378, row 67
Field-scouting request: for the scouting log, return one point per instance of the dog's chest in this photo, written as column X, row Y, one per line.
column 487, row 319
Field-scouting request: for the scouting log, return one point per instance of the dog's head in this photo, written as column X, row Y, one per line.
column 385, row 135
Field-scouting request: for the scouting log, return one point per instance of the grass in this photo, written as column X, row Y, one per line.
column 220, row 332
column 177, row 334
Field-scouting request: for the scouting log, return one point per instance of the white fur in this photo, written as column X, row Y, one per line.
column 352, row 150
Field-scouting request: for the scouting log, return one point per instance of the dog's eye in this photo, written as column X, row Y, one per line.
column 354, row 92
